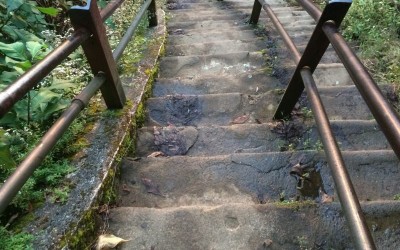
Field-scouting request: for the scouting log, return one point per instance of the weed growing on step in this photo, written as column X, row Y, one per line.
column 295, row 205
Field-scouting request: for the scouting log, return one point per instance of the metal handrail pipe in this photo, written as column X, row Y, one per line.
column 344, row 187
column 281, row 30
column 22, row 173
column 19, row 88
column 385, row 115
column 117, row 53
column 311, row 9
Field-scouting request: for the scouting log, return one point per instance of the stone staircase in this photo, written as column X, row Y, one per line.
column 212, row 169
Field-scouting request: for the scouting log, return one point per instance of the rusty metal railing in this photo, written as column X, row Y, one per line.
column 90, row 33
column 325, row 33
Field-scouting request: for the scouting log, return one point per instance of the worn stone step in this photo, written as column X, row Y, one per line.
column 203, row 28
column 204, row 32
column 325, row 75
column 341, row 103
column 217, row 109
column 252, row 178
column 209, row 15
column 256, row 138
column 289, row 11
column 222, row 25
column 240, row 83
column 286, row 57
column 300, row 39
column 300, row 29
column 177, row 6
column 218, row 47
column 218, row 64
column 288, row 23
column 240, row 226
column 210, row 37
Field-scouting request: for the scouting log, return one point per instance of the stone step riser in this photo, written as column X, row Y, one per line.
column 210, row 37
column 344, row 103
column 209, row 25
column 257, row 138
column 326, row 75
column 222, row 64
column 244, row 83
column 234, row 226
column 252, row 178
column 221, row 47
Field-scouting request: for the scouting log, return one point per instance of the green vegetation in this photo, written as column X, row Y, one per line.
column 29, row 30
column 375, row 28
column 16, row 241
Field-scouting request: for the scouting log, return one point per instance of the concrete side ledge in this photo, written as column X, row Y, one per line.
column 72, row 225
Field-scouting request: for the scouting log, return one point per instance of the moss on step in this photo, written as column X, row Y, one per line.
column 295, row 205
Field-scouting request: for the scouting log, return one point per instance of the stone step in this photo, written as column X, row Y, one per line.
column 209, row 15
column 299, row 39
column 219, row 64
column 240, row 226
column 210, row 37
column 300, row 29
column 252, row 178
column 240, row 83
column 175, row 7
column 228, row 5
column 296, row 22
column 286, row 57
column 218, row 47
column 256, row 138
column 341, row 103
column 221, row 25
column 325, row 75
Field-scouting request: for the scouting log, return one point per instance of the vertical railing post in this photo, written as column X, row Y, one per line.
column 255, row 14
column 152, row 14
column 98, row 52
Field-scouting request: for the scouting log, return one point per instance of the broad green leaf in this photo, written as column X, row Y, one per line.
column 9, row 30
column 8, row 77
column 9, row 119
column 15, row 50
column 43, row 97
column 25, row 65
column 26, row 36
column 18, row 70
column 34, row 49
column 53, row 108
column 14, row 4
column 59, row 84
column 49, row 11
column 19, row 21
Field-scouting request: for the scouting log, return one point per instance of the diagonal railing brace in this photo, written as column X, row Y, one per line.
column 335, row 11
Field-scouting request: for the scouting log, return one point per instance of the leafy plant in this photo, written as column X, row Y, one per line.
column 26, row 36
column 375, row 27
column 20, row 241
